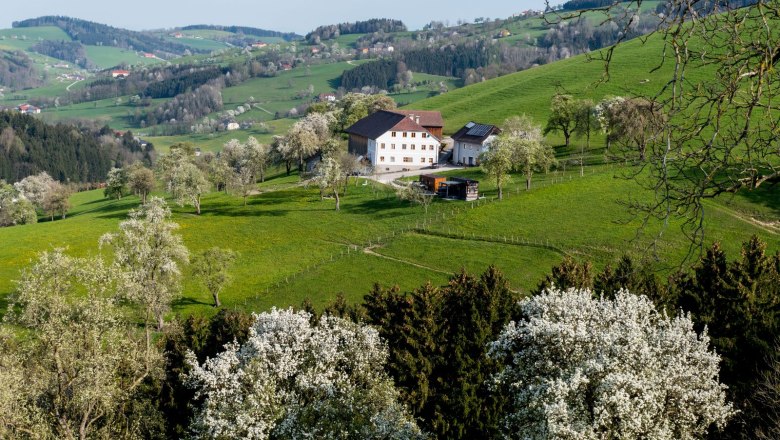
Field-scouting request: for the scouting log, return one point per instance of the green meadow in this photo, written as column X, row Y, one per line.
column 294, row 246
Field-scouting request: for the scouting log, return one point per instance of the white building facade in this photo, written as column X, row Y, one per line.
column 403, row 149
column 392, row 140
column 471, row 141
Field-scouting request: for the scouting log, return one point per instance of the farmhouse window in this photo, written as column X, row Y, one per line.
column 381, row 158
column 414, row 134
column 403, row 146
column 430, row 160
column 392, row 158
column 392, row 146
column 422, row 159
column 405, row 134
column 413, row 147
column 407, row 159
column 425, row 135
column 383, row 145
column 393, row 134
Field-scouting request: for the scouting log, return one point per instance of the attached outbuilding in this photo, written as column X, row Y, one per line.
column 471, row 141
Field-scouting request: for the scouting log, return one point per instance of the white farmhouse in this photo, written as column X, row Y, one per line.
column 471, row 141
column 394, row 140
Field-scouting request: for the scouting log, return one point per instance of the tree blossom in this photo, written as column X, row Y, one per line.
column 293, row 379
column 576, row 367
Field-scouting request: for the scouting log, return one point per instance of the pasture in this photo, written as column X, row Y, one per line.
column 293, row 246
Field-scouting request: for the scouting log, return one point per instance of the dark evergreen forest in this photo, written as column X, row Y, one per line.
column 68, row 153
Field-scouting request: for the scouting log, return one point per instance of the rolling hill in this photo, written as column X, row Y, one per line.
column 294, row 246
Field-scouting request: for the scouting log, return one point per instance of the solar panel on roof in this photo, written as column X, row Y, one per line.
column 470, row 124
column 479, row 130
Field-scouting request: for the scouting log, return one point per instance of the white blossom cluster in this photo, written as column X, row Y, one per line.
column 582, row 368
column 293, row 379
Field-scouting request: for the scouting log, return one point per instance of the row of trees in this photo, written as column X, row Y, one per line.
column 466, row 360
column 359, row 27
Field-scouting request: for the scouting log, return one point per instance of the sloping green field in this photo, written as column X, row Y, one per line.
column 294, row 246
column 529, row 92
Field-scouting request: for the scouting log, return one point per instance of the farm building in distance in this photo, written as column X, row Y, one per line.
column 471, row 141
column 451, row 187
column 120, row 73
column 393, row 140
column 28, row 109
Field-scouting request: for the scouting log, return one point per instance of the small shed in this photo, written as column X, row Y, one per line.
column 431, row 182
column 459, row 188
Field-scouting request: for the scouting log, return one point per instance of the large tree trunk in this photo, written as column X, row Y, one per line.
column 217, row 302
column 197, row 205
column 500, row 189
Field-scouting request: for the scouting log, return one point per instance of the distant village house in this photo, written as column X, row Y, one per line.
column 471, row 141
column 28, row 109
column 398, row 139
column 327, row 97
column 120, row 73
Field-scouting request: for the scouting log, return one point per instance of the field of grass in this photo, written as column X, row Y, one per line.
column 105, row 110
column 214, row 141
column 530, row 91
column 107, row 56
column 26, row 37
column 348, row 40
column 294, row 246
column 198, row 43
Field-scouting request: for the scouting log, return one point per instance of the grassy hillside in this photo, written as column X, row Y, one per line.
column 530, row 91
column 294, row 246
column 107, row 56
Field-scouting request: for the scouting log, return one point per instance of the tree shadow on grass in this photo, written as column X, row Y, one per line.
column 764, row 196
column 377, row 208
column 189, row 301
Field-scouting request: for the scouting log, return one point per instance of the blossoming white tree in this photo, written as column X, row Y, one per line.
column 582, row 368
column 149, row 255
column 72, row 368
column 294, row 379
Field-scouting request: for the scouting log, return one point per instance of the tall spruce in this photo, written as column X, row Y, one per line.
column 438, row 339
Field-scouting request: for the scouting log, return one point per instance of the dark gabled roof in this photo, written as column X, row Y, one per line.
column 426, row 118
column 475, row 133
column 379, row 123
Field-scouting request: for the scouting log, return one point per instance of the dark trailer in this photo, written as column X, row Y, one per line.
column 459, row 188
